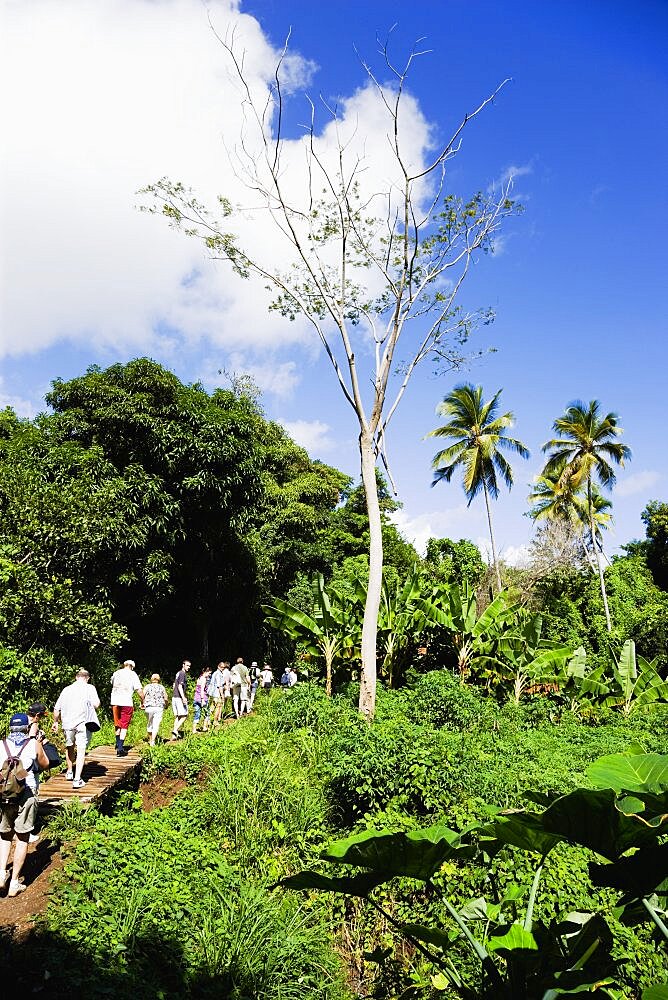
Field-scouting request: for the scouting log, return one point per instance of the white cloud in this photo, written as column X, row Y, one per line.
column 637, row 482
column 310, row 434
column 279, row 379
column 107, row 96
column 515, row 555
column 511, row 173
column 454, row 522
column 22, row 407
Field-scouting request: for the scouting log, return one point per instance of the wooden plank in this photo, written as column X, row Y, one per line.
column 102, row 771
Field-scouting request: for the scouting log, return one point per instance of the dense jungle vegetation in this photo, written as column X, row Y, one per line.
column 145, row 517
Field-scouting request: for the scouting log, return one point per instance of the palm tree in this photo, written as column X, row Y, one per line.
column 479, row 435
column 556, row 498
column 582, row 453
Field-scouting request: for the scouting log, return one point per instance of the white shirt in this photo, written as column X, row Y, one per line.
column 123, row 685
column 28, row 759
column 73, row 703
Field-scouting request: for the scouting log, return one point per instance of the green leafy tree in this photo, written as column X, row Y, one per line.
column 655, row 519
column 480, row 438
column 455, row 562
column 582, row 454
column 199, row 454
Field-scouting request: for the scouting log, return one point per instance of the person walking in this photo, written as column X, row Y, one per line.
column 179, row 698
column 124, row 684
column 240, row 679
column 255, row 673
column 75, row 707
column 220, row 690
column 200, row 699
column 22, row 757
column 155, row 702
column 266, row 678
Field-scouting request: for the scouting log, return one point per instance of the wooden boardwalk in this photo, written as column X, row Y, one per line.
column 102, row 772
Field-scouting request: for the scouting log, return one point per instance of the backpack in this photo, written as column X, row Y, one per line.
column 235, row 677
column 13, row 776
column 285, row 680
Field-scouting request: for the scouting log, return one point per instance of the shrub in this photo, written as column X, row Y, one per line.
column 441, row 700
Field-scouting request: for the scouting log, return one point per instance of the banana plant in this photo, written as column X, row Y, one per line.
column 524, row 658
column 453, row 607
column 636, row 682
column 401, row 622
column 623, row 818
column 332, row 630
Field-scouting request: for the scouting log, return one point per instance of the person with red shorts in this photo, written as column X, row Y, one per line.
column 124, row 683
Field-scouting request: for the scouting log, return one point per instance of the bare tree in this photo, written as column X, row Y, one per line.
column 368, row 269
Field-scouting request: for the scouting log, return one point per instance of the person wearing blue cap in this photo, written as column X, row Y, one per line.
column 22, row 756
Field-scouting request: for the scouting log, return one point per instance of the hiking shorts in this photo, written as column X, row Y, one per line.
column 79, row 737
column 122, row 715
column 19, row 818
column 179, row 708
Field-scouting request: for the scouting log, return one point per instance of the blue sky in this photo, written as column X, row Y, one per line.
column 112, row 95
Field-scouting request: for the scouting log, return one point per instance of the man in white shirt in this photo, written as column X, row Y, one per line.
column 74, row 708
column 18, row 816
column 124, row 683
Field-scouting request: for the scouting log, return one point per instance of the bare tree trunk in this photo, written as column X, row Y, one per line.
column 597, row 556
column 328, row 672
column 367, row 702
column 491, row 538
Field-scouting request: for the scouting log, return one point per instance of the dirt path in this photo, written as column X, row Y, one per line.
column 18, row 914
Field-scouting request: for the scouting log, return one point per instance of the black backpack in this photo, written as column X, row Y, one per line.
column 13, row 776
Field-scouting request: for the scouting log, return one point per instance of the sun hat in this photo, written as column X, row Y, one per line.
column 19, row 721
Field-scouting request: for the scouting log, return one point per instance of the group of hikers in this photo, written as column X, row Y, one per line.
column 26, row 750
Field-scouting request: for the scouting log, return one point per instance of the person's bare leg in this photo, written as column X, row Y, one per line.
column 70, row 753
column 81, row 757
column 5, row 848
column 20, row 851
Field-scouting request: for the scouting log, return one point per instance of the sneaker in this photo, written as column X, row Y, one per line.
column 78, row 784
column 69, row 776
column 16, row 887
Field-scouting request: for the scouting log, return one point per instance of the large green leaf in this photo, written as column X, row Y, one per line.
column 639, row 874
column 646, row 772
column 431, row 935
column 416, row 854
column 577, row 664
column 627, row 670
column 589, row 817
column 656, row 992
column 584, row 816
column 355, row 885
column 521, row 829
column 515, row 939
